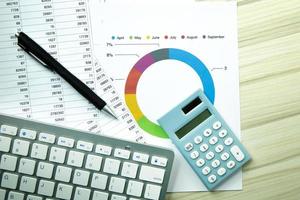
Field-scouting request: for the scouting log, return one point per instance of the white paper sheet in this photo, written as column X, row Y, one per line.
column 126, row 30
column 28, row 89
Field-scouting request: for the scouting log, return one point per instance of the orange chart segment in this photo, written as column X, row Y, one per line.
column 133, row 77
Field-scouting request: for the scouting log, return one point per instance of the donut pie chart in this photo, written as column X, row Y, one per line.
column 145, row 62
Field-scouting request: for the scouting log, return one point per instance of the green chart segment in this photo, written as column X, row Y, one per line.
column 148, row 60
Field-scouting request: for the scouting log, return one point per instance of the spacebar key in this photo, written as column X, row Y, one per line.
column 152, row 174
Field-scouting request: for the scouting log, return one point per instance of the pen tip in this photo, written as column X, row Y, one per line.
column 110, row 112
column 17, row 34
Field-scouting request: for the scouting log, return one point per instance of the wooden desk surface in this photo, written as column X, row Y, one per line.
column 269, row 53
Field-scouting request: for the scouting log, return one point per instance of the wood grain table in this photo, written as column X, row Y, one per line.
column 269, row 57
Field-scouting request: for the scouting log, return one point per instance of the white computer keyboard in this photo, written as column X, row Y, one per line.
column 45, row 162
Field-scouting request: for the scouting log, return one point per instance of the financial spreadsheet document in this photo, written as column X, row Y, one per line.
column 27, row 89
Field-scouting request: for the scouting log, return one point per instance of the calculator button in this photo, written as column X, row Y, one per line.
column 225, row 156
column 221, row 171
column 228, row 141
column 200, row 162
column 198, row 140
column 203, row 147
column 188, row 146
column 140, row 157
column 219, row 148
column 237, row 153
column 215, row 163
column 231, row 164
column 213, row 140
column 205, row 170
column 222, row 133
column 212, row 178
column 217, row 125
column 47, row 138
column 194, row 155
column 28, row 134
column 207, row 132
column 210, row 155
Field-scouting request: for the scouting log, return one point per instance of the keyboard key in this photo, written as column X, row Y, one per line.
column 57, row 155
column 9, row 180
column 140, row 157
column 117, row 197
column 122, row 153
column 230, row 164
column 100, row 195
column 159, row 161
column 20, row 147
column 152, row 174
column 45, row 170
column 228, row 141
column 75, row 159
column 46, row 137
column 217, row 125
column 8, row 130
column 212, row 178
column 2, row 194
column 222, row 133
column 205, row 170
column 219, row 148
column 31, row 197
column 85, row 146
column 65, row 142
column 64, row 191
column 152, row 192
column 117, row 185
column 225, row 156
column 135, row 188
column 111, row 166
column 82, row 193
column 93, row 162
column 207, row 132
column 8, row 162
column 129, row 170
column 237, row 153
column 39, row 151
column 221, row 171
column 27, row 166
column 4, row 144
column 194, row 155
column 81, row 177
column 200, row 162
column 28, row 134
column 104, row 150
column 99, row 181
column 15, row 196
column 28, row 184
column 63, row 173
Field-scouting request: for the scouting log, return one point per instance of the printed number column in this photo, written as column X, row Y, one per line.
column 14, row 84
column 76, row 55
column 45, row 86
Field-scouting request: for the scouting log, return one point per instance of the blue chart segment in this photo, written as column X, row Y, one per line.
column 145, row 62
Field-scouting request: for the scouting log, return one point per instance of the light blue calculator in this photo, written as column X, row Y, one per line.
column 204, row 139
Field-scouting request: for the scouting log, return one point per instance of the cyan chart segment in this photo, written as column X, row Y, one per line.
column 145, row 62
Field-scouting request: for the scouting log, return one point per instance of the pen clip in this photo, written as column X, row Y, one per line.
column 37, row 59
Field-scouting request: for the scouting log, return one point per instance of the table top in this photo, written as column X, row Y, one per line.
column 269, row 57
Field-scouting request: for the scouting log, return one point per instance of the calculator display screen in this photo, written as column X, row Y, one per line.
column 193, row 123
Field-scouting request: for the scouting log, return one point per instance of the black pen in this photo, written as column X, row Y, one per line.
column 37, row 52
